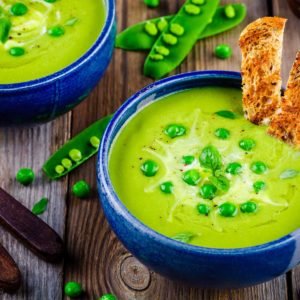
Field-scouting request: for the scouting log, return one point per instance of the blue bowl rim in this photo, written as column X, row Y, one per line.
column 104, row 34
column 103, row 178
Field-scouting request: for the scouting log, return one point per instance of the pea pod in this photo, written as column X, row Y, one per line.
column 179, row 37
column 76, row 151
column 135, row 37
column 5, row 26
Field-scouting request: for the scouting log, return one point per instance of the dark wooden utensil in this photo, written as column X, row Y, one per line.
column 10, row 276
column 29, row 229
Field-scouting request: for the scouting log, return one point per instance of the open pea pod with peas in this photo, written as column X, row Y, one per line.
column 178, row 38
column 140, row 36
column 76, row 151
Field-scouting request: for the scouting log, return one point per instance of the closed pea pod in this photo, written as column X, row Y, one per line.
column 190, row 21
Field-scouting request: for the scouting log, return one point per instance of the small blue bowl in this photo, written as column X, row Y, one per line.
column 46, row 98
column 197, row 266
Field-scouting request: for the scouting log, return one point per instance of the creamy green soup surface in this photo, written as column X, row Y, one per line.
column 41, row 37
column 191, row 167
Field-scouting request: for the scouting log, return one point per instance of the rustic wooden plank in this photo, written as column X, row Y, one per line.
column 29, row 147
column 291, row 46
column 97, row 259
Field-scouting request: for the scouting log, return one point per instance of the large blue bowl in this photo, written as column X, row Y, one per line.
column 46, row 98
column 205, row 267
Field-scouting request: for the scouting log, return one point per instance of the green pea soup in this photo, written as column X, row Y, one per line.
column 41, row 37
column 222, row 182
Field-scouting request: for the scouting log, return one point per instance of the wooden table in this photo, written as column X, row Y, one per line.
column 95, row 257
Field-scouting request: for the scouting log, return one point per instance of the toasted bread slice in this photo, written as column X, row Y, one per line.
column 285, row 123
column 261, row 45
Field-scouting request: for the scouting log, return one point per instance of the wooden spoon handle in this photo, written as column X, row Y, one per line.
column 29, row 229
column 10, row 276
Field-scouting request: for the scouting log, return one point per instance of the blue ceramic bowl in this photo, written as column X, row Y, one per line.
column 46, row 98
column 205, row 267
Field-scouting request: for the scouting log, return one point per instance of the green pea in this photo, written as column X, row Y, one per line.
column 248, row 207
column 81, row 189
column 152, row 3
column 67, row 163
column 25, row 176
column 208, row 191
column 203, row 209
column 227, row 209
column 156, row 57
column 50, row 1
column 259, row 186
column 59, row 169
column 191, row 177
column 188, row 159
column 56, row 31
column 108, row 297
column 162, row 50
column 75, row 155
column 198, row 2
column 151, row 28
column 247, row 144
column 175, row 130
column 19, row 9
column 95, row 142
column 73, row 289
column 149, row 168
column 16, row 51
column 234, row 168
column 167, row 187
column 229, row 11
column 162, row 24
column 170, row 39
column 177, row 29
column 192, row 9
column 259, row 167
column 223, row 51
column 222, row 133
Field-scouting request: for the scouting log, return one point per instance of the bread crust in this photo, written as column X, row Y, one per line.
column 261, row 45
column 285, row 123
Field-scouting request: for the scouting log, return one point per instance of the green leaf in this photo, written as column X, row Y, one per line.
column 221, row 182
column 210, row 158
column 226, row 114
column 71, row 22
column 5, row 26
column 288, row 174
column 40, row 207
column 184, row 237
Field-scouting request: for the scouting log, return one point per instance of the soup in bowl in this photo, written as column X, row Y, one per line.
column 194, row 190
column 52, row 54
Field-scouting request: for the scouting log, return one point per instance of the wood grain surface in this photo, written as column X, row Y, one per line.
column 95, row 257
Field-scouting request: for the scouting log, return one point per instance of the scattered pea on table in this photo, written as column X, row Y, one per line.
column 25, row 176
column 152, row 3
column 223, row 51
column 73, row 289
column 108, row 297
column 81, row 189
